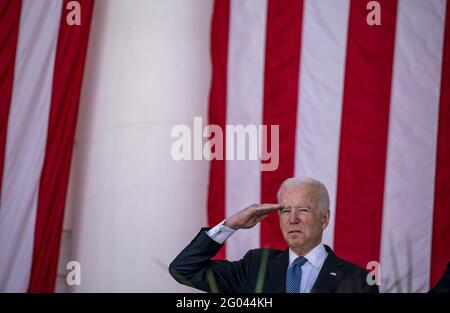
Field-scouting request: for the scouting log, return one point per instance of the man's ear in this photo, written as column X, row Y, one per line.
column 325, row 218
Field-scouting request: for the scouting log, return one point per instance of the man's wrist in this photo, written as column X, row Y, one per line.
column 229, row 224
column 220, row 232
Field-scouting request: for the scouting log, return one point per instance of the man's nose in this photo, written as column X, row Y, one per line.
column 294, row 217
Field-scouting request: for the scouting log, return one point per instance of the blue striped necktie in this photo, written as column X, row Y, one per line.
column 294, row 275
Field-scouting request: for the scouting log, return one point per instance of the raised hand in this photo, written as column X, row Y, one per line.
column 250, row 216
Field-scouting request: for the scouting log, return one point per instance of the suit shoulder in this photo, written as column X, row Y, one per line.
column 350, row 267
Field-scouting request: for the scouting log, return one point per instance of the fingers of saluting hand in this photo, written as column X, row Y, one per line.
column 267, row 208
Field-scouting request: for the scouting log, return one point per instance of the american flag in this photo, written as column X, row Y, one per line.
column 41, row 68
column 363, row 108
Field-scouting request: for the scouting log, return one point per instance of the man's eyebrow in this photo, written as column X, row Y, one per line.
column 290, row 207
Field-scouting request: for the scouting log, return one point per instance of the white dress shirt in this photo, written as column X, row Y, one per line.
column 310, row 270
column 220, row 232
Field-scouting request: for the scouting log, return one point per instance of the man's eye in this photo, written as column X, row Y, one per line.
column 284, row 211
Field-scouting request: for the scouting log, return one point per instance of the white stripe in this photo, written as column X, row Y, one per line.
column 26, row 139
column 410, row 170
column 321, row 85
column 245, row 106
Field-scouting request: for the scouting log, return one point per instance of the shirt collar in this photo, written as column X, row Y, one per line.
column 316, row 256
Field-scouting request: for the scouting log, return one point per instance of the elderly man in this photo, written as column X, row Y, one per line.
column 306, row 266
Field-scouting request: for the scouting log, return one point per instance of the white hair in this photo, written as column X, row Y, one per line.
column 321, row 192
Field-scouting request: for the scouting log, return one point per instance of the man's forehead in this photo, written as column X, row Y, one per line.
column 297, row 195
column 300, row 190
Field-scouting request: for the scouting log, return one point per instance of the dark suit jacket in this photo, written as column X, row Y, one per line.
column 193, row 267
column 443, row 285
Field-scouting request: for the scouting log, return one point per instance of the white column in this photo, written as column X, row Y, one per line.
column 134, row 207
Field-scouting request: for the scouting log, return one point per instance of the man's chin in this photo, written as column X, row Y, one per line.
column 293, row 243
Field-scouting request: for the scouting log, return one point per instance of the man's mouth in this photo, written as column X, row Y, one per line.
column 294, row 232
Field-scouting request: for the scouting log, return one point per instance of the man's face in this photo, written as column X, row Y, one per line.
column 301, row 222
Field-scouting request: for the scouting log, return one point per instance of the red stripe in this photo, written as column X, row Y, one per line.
column 217, row 109
column 68, row 74
column 9, row 33
column 281, row 77
column 364, row 133
column 440, row 252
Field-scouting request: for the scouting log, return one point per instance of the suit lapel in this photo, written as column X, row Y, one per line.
column 277, row 268
column 330, row 274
